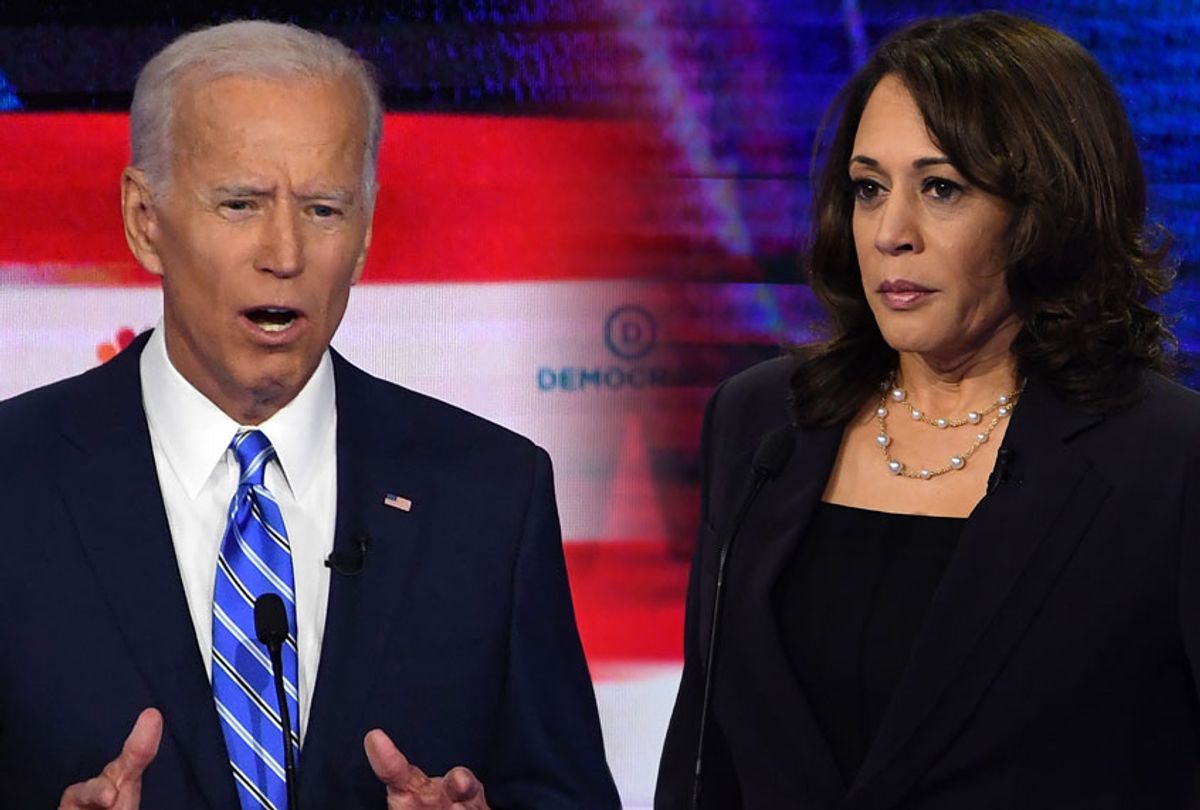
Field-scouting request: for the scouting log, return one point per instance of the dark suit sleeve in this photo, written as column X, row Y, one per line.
column 548, row 746
column 677, row 767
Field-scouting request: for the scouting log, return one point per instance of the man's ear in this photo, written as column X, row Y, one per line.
column 141, row 219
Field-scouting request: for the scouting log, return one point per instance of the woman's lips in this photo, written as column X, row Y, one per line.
column 902, row 294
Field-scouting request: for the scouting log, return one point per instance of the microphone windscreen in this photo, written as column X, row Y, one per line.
column 270, row 619
column 774, row 451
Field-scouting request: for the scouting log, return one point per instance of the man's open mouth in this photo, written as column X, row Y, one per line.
column 272, row 319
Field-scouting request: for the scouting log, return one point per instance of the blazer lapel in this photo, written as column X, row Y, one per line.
column 111, row 489
column 373, row 462
column 753, row 654
column 1015, row 542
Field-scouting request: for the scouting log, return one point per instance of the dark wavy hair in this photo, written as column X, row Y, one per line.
column 1024, row 113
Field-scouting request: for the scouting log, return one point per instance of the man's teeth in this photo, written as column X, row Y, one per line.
column 274, row 327
column 272, row 320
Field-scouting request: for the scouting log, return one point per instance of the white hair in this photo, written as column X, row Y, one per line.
column 251, row 48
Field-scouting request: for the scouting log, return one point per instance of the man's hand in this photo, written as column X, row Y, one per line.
column 408, row 788
column 119, row 785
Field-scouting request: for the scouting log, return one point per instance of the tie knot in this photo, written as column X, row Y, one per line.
column 253, row 450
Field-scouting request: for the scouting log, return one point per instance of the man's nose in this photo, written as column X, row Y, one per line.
column 282, row 248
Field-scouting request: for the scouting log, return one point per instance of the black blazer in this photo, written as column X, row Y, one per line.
column 458, row 638
column 1056, row 667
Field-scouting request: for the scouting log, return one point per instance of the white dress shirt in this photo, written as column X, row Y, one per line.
column 198, row 476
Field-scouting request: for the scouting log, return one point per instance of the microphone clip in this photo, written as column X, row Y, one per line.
column 350, row 563
column 1002, row 473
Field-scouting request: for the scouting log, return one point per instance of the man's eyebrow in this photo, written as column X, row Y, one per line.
column 336, row 193
column 237, row 190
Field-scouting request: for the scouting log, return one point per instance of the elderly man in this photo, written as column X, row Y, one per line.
column 230, row 454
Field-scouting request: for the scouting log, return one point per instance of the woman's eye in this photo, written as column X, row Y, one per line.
column 866, row 190
column 942, row 189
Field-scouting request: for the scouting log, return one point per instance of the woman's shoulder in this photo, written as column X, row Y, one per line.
column 1167, row 411
column 1160, row 431
column 760, row 394
column 1178, row 400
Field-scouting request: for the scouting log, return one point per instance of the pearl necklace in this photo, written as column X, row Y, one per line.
column 1002, row 407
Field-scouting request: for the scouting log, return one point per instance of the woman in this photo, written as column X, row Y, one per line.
column 975, row 582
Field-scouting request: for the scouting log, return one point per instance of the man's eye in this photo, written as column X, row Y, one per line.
column 238, row 205
column 866, row 190
column 942, row 189
column 325, row 211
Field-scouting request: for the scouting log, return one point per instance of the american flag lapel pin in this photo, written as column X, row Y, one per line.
column 398, row 502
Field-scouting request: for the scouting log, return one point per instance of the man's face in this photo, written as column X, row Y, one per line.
column 259, row 236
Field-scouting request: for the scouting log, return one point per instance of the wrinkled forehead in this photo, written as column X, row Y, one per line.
column 252, row 118
column 206, row 94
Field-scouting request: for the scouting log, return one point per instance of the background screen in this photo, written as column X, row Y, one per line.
column 590, row 213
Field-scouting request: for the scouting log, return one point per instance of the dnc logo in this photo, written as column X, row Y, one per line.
column 630, row 334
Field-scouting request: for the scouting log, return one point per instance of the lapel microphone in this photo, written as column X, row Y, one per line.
column 1002, row 472
column 769, row 460
column 271, row 627
column 350, row 563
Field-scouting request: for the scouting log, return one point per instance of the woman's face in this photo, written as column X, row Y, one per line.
column 929, row 245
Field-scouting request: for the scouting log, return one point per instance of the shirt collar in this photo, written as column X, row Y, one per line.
column 194, row 433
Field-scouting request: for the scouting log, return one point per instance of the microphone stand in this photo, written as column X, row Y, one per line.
column 271, row 627
column 769, row 459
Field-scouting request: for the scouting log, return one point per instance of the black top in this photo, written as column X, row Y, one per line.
column 850, row 604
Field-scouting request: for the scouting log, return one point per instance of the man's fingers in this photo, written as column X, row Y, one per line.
column 141, row 746
column 121, row 778
column 139, row 750
column 461, row 785
column 94, row 794
column 409, row 786
column 390, row 766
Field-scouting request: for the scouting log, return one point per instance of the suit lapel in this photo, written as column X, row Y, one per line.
column 1015, row 542
column 111, row 489
column 373, row 462
column 754, row 655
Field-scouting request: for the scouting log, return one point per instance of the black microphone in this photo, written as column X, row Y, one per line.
column 1002, row 472
column 271, row 626
column 769, row 460
column 350, row 563
column 772, row 454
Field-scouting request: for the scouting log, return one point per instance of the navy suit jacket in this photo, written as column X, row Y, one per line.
column 1057, row 665
column 458, row 638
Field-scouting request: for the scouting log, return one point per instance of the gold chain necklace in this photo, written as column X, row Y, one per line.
column 890, row 391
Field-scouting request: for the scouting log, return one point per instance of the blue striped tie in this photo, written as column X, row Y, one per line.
column 255, row 558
